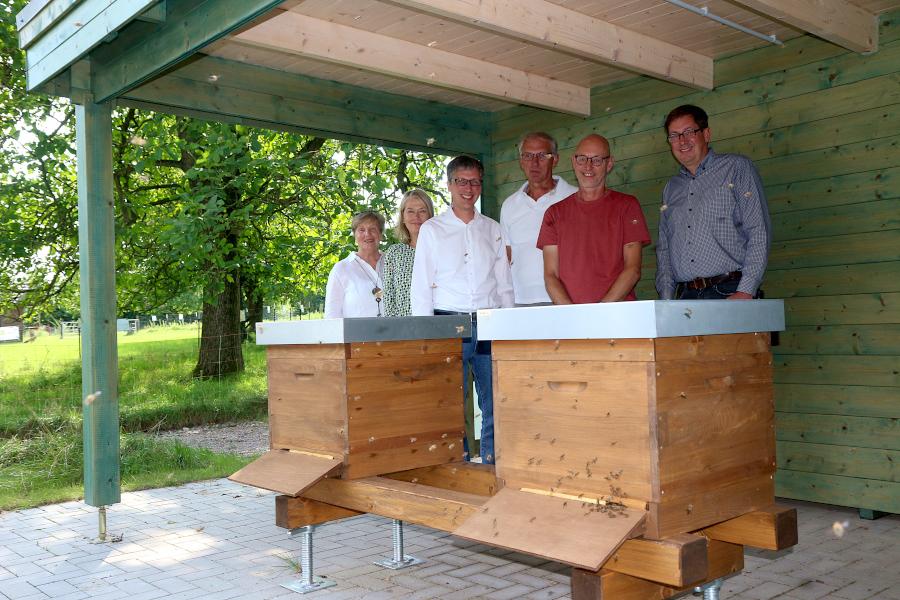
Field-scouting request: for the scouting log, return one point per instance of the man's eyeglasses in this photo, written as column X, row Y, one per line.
column 466, row 182
column 583, row 159
column 541, row 156
column 687, row 134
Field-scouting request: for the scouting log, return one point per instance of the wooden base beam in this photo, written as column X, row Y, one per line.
column 723, row 559
column 676, row 561
column 291, row 512
column 771, row 528
column 411, row 502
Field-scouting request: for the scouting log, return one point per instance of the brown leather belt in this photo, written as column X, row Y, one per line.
column 701, row 283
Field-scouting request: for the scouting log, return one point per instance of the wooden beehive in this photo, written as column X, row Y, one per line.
column 683, row 425
column 362, row 407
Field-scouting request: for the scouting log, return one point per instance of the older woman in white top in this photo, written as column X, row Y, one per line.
column 355, row 287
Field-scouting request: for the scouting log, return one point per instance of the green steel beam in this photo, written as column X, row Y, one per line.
column 99, row 363
column 189, row 26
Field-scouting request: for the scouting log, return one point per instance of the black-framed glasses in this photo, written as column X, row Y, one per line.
column 462, row 182
column 583, row 159
column 687, row 134
column 541, row 156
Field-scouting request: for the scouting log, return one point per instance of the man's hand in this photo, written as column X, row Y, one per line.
column 740, row 296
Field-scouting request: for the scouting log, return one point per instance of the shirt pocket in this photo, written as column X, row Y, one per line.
column 719, row 207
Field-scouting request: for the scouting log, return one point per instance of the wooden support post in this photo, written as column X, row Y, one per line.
column 99, row 364
column 723, row 559
column 292, row 513
column 771, row 528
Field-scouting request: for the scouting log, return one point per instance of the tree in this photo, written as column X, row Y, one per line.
column 206, row 213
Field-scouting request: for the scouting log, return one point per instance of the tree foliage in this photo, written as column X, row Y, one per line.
column 207, row 214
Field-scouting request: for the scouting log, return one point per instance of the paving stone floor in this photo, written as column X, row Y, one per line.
column 217, row 540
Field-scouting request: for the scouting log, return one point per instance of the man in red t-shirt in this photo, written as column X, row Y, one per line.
column 592, row 240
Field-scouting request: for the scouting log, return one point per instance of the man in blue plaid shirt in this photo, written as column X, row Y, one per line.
column 714, row 226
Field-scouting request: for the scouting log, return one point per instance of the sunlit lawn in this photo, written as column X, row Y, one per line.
column 40, row 412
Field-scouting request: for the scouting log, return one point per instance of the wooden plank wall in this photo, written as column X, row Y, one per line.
column 823, row 126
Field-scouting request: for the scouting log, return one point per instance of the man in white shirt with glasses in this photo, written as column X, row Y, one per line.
column 523, row 212
column 461, row 267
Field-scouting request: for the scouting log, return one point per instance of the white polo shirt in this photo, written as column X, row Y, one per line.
column 520, row 219
column 349, row 292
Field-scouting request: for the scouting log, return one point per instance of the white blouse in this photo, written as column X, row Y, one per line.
column 349, row 292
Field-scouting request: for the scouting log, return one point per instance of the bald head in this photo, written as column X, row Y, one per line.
column 593, row 144
column 591, row 163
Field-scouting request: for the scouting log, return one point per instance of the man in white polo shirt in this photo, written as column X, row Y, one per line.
column 523, row 212
column 461, row 267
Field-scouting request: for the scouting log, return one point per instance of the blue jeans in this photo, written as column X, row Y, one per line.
column 476, row 357
column 718, row 291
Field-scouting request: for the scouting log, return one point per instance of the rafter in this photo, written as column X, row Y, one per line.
column 553, row 26
column 837, row 21
column 331, row 42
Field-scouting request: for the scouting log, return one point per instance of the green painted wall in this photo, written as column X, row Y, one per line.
column 823, row 126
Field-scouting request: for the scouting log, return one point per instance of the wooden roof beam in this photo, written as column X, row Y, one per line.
column 553, row 26
column 837, row 21
column 331, row 42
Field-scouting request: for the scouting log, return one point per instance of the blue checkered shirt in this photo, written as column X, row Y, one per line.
column 712, row 223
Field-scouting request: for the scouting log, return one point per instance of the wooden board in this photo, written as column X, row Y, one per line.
column 715, row 422
column 292, row 512
column 472, row 478
column 440, row 509
column 640, row 350
column 286, row 472
column 404, row 406
column 771, row 528
column 307, row 403
column 567, row 531
column 563, row 426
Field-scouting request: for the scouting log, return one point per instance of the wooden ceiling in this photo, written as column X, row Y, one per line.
column 492, row 54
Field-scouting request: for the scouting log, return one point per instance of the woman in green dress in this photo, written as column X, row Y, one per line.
column 415, row 208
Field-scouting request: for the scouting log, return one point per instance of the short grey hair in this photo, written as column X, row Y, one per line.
column 400, row 229
column 367, row 215
column 540, row 135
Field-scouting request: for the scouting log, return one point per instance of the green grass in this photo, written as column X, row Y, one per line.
column 40, row 384
column 47, row 466
column 40, row 413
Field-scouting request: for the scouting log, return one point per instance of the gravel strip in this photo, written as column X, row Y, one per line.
column 246, row 437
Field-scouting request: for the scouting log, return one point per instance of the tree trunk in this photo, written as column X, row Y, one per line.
column 254, row 301
column 220, row 337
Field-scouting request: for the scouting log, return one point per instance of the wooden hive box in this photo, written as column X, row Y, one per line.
column 359, row 397
column 667, row 405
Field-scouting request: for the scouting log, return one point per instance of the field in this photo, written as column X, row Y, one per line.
column 40, row 412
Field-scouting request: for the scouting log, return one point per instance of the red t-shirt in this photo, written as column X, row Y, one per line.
column 590, row 237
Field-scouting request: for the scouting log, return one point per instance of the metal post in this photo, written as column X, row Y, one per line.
column 400, row 560
column 308, row 583
column 101, row 535
column 710, row 590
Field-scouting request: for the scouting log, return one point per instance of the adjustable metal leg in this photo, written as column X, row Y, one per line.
column 101, row 533
column 709, row 590
column 307, row 583
column 400, row 560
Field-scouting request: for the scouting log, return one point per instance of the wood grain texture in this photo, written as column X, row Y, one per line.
column 472, row 478
column 292, row 513
column 286, row 472
column 771, row 528
column 563, row 426
column 629, row 350
column 411, row 502
column 567, row 531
